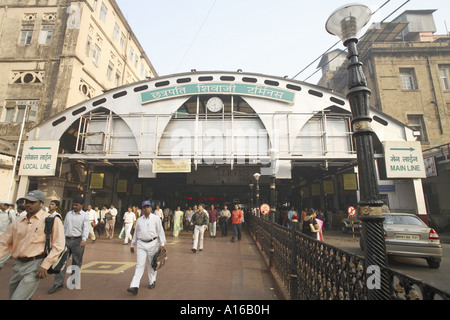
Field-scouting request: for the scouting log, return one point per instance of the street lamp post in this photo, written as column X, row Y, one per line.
column 346, row 23
column 273, row 153
column 251, row 197
column 257, row 176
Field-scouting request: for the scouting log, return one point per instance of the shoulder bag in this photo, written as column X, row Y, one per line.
column 311, row 225
column 60, row 263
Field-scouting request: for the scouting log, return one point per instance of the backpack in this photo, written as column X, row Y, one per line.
column 61, row 261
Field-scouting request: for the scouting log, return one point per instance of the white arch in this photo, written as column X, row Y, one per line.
column 285, row 117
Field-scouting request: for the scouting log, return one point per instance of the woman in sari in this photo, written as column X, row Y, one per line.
column 177, row 222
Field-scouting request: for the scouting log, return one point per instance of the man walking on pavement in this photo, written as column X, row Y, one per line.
column 236, row 220
column 76, row 230
column 213, row 217
column 148, row 238
column 114, row 213
column 25, row 238
column 7, row 217
column 93, row 222
column 129, row 220
column 200, row 222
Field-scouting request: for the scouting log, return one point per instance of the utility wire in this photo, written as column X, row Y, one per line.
column 329, row 49
column 198, row 32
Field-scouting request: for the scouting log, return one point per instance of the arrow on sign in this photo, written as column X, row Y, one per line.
column 403, row 149
column 40, row 148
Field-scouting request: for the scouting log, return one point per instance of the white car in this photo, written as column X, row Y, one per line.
column 408, row 236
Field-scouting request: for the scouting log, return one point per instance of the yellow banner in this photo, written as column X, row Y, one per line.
column 97, row 180
column 122, row 186
column 350, row 182
column 170, row 166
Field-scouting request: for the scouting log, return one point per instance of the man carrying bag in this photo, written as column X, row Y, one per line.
column 25, row 238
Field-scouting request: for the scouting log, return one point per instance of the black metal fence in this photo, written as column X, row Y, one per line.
column 314, row 270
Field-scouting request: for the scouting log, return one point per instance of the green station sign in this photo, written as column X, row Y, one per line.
column 219, row 88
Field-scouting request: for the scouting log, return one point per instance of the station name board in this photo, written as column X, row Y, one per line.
column 219, row 88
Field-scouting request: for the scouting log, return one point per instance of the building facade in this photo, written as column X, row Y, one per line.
column 200, row 137
column 57, row 53
column 408, row 68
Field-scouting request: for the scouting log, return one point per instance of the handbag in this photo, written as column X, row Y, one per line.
column 61, row 261
column 159, row 259
column 313, row 229
column 122, row 233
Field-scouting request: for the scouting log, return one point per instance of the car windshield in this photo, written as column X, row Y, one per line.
column 409, row 220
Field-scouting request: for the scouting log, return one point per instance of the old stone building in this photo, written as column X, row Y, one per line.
column 57, row 53
column 408, row 68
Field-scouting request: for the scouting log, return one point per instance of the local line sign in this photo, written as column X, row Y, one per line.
column 404, row 159
column 39, row 158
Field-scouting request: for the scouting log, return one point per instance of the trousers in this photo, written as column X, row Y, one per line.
column 144, row 252
column 199, row 232
column 76, row 251
column 237, row 230
column 128, row 227
column 212, row 228
column 24, row 282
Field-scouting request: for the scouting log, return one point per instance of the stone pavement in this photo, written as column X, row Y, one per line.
column 223, row 271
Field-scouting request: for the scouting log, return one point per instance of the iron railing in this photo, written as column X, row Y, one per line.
column 313, row 270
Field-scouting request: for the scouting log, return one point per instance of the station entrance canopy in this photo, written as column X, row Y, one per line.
column 180, row 122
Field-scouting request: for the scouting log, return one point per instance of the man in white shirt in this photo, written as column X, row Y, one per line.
column 129, row 219
column 7, row 216
column 113, row 212
column 159, row 213
column 93, row 222
column 76, row 230
column 149, row 238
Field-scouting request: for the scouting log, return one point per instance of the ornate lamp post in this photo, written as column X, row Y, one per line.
column 257, row 176
column 346, row 23
column 251, row 197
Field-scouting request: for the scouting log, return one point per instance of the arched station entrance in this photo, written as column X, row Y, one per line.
column 201, row 136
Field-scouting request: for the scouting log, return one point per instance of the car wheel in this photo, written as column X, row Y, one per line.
column 433, row 263
column 343, row 228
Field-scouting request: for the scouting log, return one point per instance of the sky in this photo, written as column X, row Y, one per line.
column 275, row 38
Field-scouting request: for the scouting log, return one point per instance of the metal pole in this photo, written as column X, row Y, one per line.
column 370, row 203
column 257, row 196
column 293, row 285
column 13, row 173
column 273, row 209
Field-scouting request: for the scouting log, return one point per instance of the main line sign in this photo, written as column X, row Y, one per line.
column 219, row 88
column 404, row 159
column 39, row 158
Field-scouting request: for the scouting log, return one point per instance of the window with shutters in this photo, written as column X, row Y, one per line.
column 416, row 123
column 46, row 34
column 408, row 79
column 443, row 74
column 17, row 111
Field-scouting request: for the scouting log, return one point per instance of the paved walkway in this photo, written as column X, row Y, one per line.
column 223, row 271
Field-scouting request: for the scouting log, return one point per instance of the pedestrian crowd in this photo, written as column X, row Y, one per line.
column 23, row 235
